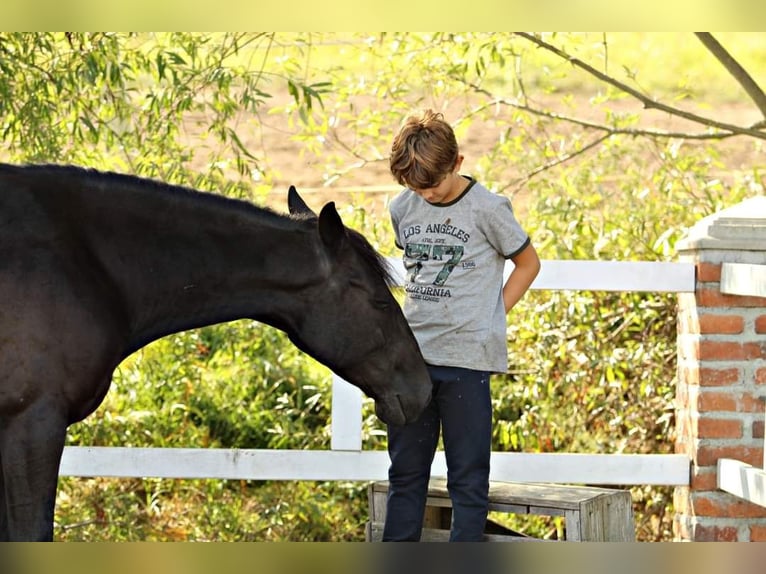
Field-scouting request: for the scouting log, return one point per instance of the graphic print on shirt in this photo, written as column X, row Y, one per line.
column 431, row 258
column 424, row 252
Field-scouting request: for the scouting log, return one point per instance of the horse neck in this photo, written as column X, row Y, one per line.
column 186, row 264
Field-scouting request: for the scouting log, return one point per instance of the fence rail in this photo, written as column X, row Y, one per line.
column 346, row 459
column 263, row 464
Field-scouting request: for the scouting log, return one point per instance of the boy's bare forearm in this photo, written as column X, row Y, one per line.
column 526, row 268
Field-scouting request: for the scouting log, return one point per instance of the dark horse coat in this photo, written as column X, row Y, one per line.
column 95, row 265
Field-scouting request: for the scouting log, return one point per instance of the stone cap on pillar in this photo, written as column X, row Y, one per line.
column 741, row 227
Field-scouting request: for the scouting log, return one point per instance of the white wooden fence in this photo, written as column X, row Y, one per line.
column 735, row 476
column 347, row 460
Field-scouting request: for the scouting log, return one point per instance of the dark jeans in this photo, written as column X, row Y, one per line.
column 461, row 406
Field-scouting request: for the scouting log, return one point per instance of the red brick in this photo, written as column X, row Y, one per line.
column 714, row 298
column 719, row 377
column 720, row 401
column 708, row 455
column 758, row 533
column 708, row 272
column 757, row 429
column 749, row 403
column 710, row 401
column 731, row 351
column 721, row 324
column 704, row 479
column 722, row 504
column 715, row 534
column 719, row 428
column 760, row 376
column 760, row 324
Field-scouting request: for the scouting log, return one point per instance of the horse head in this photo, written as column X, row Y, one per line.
column 354, row 325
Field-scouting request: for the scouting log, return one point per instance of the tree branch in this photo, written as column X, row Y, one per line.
column 611, row 130
column 735, row 69
column 646, row 101
column 559, row 160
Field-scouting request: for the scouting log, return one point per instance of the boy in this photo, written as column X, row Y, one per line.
column 456, row 236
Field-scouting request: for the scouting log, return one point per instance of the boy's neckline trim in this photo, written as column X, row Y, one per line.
column 471, row 182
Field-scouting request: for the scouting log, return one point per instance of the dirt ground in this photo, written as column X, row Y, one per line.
column 270, row 137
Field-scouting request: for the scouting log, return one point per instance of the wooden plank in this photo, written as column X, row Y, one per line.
column 573, row 527
column 606, row 517
column 377, row 503
column 539, row 510
column 374, row 533
column 585, row 275
column 522, row 509
column 743, row 279
column 592, row 514
column 742, row 480
column 443, row 501
column 439, row 518
column 543, row 496
column 263, row 464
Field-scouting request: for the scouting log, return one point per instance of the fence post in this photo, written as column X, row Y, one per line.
column 346, row 422
column 721, row 376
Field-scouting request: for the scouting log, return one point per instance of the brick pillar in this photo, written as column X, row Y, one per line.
column 721, row 376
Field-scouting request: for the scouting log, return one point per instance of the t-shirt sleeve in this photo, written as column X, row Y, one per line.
column 503, row 230
column 395, row 225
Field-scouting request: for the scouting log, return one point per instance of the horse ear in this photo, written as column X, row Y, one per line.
column 331, row 228
column 295, row 203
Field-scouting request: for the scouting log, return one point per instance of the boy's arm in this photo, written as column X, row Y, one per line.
column 527, row 266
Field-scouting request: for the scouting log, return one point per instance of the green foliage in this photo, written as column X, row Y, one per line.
column 236, row 385
column 123, row 510
column 130, row 101
column 591, row 372
column 596, row 371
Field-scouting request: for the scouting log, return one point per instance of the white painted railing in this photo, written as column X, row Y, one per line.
column 346, row 459
column 735, row 476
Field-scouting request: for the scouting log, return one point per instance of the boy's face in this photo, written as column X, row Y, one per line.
column 448, row 189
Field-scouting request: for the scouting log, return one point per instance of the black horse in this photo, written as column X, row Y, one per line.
column 95, row 265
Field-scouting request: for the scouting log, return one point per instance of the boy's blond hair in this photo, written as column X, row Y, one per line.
column 424, row 151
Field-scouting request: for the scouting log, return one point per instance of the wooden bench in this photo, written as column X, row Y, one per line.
column 590, row 514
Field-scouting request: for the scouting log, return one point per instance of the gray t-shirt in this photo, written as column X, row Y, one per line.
column 454, row 257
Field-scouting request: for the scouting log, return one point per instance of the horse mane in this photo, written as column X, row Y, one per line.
column 104, row 180
column 373, row 260
column 359, row 243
